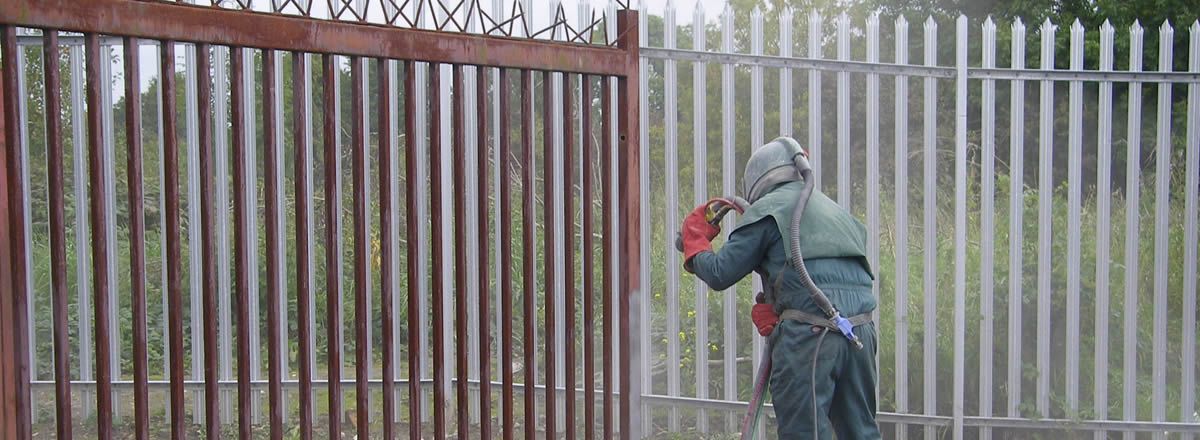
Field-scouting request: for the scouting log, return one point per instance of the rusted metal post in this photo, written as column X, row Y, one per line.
column 241, row 250
column 359, row 171
column 303, row 289
column 58, row 235
column 631, row 241
column 333, row 279
column 568, row 160
column 100, row 238
column 438, row 237
column 385, row 251
column 504, row 167
column 589, row 255
column 8, row 407
column 414, row 266
column 174, row 259
column 137, row 238
column 271, row 145
column 549, row 250
column 16, row 407
column 485, row 336
column 460, row 249
column 208, row 263
column 529, row 254
column 606, row 250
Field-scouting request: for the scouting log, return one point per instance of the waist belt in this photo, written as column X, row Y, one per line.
column 818, row 320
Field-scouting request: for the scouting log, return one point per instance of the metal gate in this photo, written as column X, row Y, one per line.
column 463, row 160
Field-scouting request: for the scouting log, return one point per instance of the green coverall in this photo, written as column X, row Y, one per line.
column 819, row 382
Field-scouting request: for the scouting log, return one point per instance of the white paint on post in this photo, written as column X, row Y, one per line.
column 901, row 249
column 1016, row 268
column 82, row 235
column 221, row 167
column 26, row 220
column 844, row 188
column 1103, row 227
column 1162, row 182
column 785, row 74
column 1133, row 185
column 930, row 201
column 1188, row 398
column 873, row 189
column 1045, row 210
column 814, row 98
column 700, row 191
column 987, row 233
column 671, row 138
column 960, row 223
column 281, row 225
column 192, row 108
column 756, row 140
column 110, row 213
column 1074, row 214
column 728, row 132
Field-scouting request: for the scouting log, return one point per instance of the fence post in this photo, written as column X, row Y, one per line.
column 8, row 407
column 630, row 244
column 14, row 377
column 960, row 220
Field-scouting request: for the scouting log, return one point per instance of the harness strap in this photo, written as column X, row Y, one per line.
column 818, row 320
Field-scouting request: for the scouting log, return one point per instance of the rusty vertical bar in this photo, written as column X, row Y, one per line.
column 529, row 253
column 411, row 191
column 606, row 250
column 550, row 247
column 274, row 291
column 208, row 226
column 19, row 257
column 504, row 168
column 100, row 285
column 569, row 251
column 174, row 258
column 8, row 407
column 485, row 335
column 589, row 287
column 332, row 276
column 58, row 235
column 627, row 132
column 303, row 289
column 137, row 237
column 437, row 238
column 385, row 251
column 460, row 250
column 241, row 252
column 358, row 170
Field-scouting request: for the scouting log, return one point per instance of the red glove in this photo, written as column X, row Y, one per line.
column 764, row 318
column 697, row 234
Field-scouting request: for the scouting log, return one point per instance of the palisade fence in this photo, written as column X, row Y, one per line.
column 1042, row 293
column 1027, row 286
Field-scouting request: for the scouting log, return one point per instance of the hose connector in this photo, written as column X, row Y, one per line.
column 847, row 329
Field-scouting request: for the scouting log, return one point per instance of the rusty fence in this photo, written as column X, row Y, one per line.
column 174, row 194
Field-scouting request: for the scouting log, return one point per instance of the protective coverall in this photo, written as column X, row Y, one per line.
column 819, row 382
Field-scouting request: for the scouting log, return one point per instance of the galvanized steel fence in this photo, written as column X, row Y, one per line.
column 1005, row 310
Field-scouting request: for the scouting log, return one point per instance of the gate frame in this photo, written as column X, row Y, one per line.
column 211, row 25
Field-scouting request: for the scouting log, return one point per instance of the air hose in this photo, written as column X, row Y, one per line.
column 818, row 297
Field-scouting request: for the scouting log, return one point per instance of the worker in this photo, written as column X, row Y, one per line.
column 819, row 385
